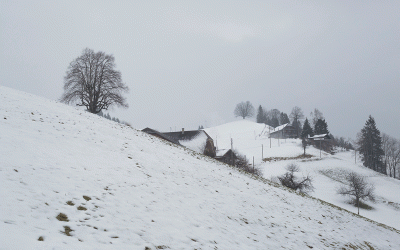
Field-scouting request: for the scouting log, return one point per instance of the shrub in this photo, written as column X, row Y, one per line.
column 303, row 185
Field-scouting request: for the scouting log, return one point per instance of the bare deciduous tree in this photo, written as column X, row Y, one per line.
column 304, row 185
column 357, row 188
column 244, row 109
column 391, row 149
column 315, row 116
column 92, row 81
column 296, row 114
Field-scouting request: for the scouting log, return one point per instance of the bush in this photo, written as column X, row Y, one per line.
column 242, row 163
column 303, row 185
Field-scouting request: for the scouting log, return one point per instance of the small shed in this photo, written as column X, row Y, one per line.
column 323, row 144
column 225, row 155
column 283, row 131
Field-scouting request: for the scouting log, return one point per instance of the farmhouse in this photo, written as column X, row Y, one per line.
column 160, row 135
column 284, row 131
column 197, row 140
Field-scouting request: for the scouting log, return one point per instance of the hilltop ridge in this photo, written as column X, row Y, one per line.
column 76, row 180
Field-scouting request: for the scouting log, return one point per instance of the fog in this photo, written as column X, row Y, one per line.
column 188, row 63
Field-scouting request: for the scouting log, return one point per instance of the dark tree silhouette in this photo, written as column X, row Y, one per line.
column 261, row 117
column 369, row 144
column 297, row 115
column 92, row 81
column 307, row 130
column 244, row 109
column 321, row 127
column 284, row 118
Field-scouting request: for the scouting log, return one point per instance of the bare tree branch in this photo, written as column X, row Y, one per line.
column 357, row 188
column 244, row 109
column 91, row 81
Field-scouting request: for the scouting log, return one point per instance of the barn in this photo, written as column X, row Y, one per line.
column 283, row 131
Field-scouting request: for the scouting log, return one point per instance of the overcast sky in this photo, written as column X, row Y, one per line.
column 188, row 63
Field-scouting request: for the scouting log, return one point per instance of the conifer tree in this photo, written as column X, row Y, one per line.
column 274, row 122
column 284, row 118
column 369, row 142
column 297, row 125
column 307, row 130
column 321, row 127
column 260, row 115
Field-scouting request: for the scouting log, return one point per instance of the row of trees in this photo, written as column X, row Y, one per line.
column 316, row 125
column 274, row 118
column 379, row 153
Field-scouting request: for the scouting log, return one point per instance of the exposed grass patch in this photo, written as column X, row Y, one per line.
column 62, row 217
column 362, row 205
column 302, row 156
column 67, row 231
column 162, row 247
column 82, row 208
column 87, row 198
column 394, row 205
column 70, row 203
column 41, row 238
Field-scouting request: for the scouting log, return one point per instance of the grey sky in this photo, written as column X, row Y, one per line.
column 188, row 63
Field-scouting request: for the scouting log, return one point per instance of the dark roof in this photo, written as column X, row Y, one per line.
column 186, row 135
column 160, row 135
column 223, row 152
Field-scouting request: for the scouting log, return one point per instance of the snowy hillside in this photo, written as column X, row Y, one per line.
column 73, row 180
column 328, row 172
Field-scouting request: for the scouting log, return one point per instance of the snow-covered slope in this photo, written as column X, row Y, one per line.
column 123, row 189
column 328, row 172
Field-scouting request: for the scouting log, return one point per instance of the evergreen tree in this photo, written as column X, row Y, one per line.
column 297, row 125
column 321, row 127
column 268, row 121
column 261, row 115
column 284, row 118
column 369, row 142
column 274, row 122
column 307, row 130
column 275, row 114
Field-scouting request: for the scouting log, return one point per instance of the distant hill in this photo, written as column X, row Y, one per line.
column 73, row 180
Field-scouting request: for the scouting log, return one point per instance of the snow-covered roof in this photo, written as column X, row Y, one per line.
column 196, row 142
column 321, row 136
column 221, row 152
column 279, row 128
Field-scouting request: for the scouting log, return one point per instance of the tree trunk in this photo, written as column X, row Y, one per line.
column 358, row 206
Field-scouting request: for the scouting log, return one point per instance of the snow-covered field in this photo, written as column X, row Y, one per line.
column 328, row 172
column 123, row 189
